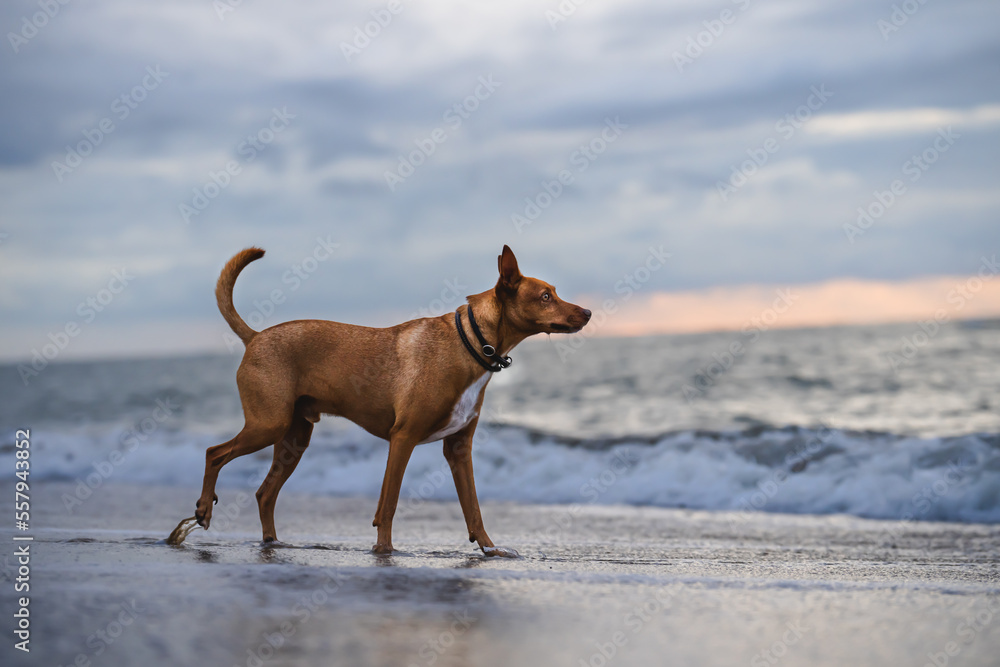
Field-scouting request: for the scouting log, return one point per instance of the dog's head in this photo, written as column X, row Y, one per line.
column 531, row 305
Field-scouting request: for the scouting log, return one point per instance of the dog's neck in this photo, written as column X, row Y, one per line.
column 495, row 327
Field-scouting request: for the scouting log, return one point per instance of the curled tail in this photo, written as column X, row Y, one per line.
column 224, row 292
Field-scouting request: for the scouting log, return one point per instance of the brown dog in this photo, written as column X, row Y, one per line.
column 412, row 383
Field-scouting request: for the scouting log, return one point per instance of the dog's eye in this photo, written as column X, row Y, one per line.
column 546, row 296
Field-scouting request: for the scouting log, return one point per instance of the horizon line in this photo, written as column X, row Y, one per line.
column 839, row 302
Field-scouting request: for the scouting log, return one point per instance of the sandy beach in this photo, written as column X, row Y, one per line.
column 596, row 585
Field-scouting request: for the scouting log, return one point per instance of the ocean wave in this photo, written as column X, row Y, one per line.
column 791, row 470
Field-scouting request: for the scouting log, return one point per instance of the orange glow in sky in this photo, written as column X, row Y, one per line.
column 834, row 302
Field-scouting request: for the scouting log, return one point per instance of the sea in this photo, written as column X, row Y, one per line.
column 897, row 422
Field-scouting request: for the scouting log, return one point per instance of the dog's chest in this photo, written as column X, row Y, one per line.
column 464, row 410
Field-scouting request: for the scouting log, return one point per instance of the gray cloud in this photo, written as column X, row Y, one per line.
column 324, row 175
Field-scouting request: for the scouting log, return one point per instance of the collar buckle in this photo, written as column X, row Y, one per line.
column 494, row 363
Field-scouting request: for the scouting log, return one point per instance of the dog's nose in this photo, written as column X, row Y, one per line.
column 586, row 313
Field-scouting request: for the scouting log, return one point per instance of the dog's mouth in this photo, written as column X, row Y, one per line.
column 557, row 327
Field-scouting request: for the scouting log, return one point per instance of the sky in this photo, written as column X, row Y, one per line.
column 672, row 165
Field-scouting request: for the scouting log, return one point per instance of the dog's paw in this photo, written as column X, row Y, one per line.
column 203, row 514
column 500, row 552
column 274, row 543
column 382, row 549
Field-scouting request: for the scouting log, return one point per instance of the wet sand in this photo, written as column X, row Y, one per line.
column 595, row 586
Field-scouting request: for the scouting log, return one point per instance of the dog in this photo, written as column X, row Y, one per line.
column 411, row 384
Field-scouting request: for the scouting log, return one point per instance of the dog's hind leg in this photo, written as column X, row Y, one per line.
column 287, row 454
column 268, row 407
column 252, row 438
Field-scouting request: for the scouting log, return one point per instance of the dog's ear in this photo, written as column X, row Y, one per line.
column 510, row 275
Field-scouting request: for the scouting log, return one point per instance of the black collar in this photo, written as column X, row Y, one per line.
column 494, row 363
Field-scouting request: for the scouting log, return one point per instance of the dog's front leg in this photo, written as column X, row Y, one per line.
column 400, row 447
column 458, row 452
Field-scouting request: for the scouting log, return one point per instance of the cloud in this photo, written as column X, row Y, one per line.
column 867, row 124
column 658, row 184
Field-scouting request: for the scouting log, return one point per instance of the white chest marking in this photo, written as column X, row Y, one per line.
column 464, row 410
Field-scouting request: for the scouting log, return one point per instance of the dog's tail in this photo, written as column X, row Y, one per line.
column 224, row 292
